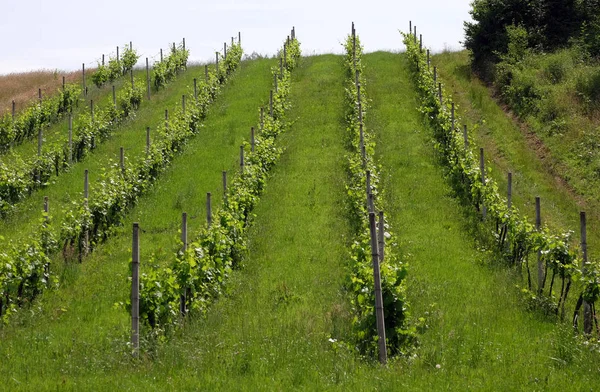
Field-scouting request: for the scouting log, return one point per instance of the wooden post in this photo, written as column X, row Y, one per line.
column 63, row 83
column 92, row 109
column 40, row 96
column 224, row 50
column 183, row 103
column 161, row 55
column 206, row 73
column 83, row 73
column 538, row 227
column 225, row 186
column 242, row 159
column 46, row 206
column 428, row 60
column 364, row 155
column 360, row 112
column 415, row 34
column 587, row 307
column 452, row 116
column 381, row 235
column 114, row 92
column 368, row 189
column 509, row 196
column 262, row 118
column 135, row 290
column 117, row 53
column 482, row 169
column 379, row 315
column 147, row 141
column 285, row 57
column 122, row 159
column 166, row 115
column 147, row 78
column 208, row 209
column 182, row 303
column 103, row 59
column 271, row 103
column 196, row 90
column 239, row 38
column 70, row 138
column 13, row 110
column 183, row 43
column 420, row 42
column 252, row 138
column 440, row 93
column 275, row 82
column 39, row 150
column 362, row 141
column 409, row 26
column 217, row 63
column 466, row 136
column 131, row 76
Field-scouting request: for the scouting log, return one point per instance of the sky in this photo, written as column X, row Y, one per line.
column 64, row 34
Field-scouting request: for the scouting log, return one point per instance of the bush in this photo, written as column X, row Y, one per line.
column 590, row 37
column 587, row 87
column 557, row 68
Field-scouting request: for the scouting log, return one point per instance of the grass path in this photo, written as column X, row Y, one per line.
column 75, row 335
column 479, row 333
column 272, row 332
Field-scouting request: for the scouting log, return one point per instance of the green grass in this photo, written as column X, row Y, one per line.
column 479, row 331
column 58, row 131
column 271, row 330
column 76, row 332
column 131, row 135
column 538, row 169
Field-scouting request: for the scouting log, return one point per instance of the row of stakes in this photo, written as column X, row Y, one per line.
column 135, row 315
column 85, row 89
column 376, row 227
column 587, row 307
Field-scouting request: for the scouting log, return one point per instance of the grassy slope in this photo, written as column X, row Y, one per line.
column 58, row 132
column 75, row 333
column 272, row 331
column 479, row 333
column 131, row 134
column 510, row 148
column 22, row 87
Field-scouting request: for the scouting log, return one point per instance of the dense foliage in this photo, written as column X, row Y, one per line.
column 25, row 265
column 197, row 275
column 22, row 176
column 550, row 24
column 393, row 269
column 166, row 69
column 514, row 237
column 38, row 115
column 116, row 67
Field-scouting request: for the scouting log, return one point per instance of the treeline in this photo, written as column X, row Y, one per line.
column 548, row 24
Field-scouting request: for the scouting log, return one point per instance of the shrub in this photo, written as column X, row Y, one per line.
column 558, row 67
column 587, row 87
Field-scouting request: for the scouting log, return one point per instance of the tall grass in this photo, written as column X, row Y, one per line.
column 22, row 87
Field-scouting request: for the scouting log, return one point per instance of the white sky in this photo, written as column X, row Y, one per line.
column 63, row 34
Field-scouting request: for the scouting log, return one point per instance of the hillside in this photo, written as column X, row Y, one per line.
column 282, row 313
column 23, row 87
